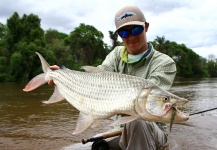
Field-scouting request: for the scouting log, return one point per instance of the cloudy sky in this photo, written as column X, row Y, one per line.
column 192, row 22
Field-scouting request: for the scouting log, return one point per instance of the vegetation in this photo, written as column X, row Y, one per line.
column 189, row 64
column 22, row 36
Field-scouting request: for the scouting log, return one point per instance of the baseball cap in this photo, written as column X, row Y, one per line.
column 129, row 15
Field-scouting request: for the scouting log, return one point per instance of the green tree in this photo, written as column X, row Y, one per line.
column 188, row 63
column 160, row 44
column 14, row 32
column 21, row 37
column 86, row 46
column 3, row 68
column 114, row 39
column 3, row 48
column 212, row 65
column 56, row 43
column 51, row 35
column 25, row 36
column 31, row 30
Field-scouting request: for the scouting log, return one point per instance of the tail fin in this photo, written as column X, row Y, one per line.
column 45, row 65
column 39, row 79
column 35, row 82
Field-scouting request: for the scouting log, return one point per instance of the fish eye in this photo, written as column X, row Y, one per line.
column 165, row 99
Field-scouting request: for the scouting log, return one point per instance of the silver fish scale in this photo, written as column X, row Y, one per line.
column 102, row 94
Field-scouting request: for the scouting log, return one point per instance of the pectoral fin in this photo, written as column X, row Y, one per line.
column 92, row 69
column 83, row 122
column 123, row 120
column 56, row 97
column 95, row 123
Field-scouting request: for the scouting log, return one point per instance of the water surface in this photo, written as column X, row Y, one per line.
column 27, row 123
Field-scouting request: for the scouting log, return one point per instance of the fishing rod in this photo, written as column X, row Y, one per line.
column 200, row 112
column 104, row 136
column 99, row 143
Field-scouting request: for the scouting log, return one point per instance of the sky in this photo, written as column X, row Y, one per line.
column 189, row 22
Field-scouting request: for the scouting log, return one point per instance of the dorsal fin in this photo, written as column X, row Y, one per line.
column 92, row 69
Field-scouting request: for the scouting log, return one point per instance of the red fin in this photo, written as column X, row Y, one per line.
column 35, row 82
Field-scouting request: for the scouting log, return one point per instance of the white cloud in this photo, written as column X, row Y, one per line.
column 192, row 22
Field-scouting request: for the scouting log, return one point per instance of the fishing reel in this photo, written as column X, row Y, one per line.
column 100, row 145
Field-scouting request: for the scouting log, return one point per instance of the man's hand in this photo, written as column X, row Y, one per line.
column 54, row 67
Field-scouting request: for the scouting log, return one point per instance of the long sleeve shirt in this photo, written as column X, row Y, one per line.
column 155, row 66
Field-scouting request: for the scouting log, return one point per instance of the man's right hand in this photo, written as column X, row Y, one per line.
column 54, row 67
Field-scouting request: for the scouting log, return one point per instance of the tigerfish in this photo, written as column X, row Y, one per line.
column 100, row 94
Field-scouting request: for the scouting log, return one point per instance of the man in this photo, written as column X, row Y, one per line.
column 139, row 58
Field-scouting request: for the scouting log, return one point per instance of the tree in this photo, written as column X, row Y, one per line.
column 160, row 44
column 188, row 63
column 21, row 37
column 25, row 36
column 212, row 65
column 56, row 43
column 3, row 33
column 114, row 39
column 86, row 46
column 211, row 57
column 3, row 68
column 52, row 35
column 14, row 32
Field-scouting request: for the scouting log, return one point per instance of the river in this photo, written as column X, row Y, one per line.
column 28, row 124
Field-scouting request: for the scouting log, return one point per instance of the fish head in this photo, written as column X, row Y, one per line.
column 156, row 104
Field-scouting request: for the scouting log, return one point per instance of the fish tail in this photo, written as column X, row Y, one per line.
column 39, row 79
column 35, row 82
column 45, row 65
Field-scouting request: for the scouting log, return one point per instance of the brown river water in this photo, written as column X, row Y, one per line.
column 28, row 124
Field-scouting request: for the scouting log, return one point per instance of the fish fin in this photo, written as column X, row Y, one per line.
column 92, row 69
column 45, row 65
column 63, row 67
column 56, row 97
column 95, row 123
column 35, row 82
column 123, row 120
column 83, row 122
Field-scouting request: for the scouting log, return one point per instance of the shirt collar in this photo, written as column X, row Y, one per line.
column 124, row 55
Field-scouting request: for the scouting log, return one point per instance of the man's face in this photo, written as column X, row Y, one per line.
column 135, row 44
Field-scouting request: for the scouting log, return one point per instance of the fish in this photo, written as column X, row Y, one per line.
column 172, row 118
column 100, row 95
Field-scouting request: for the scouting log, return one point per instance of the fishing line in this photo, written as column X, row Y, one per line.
column 202, row 112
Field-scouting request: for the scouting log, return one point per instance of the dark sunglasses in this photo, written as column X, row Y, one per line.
column 135, row 31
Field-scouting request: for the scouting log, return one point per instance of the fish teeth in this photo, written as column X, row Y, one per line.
column 181, row 106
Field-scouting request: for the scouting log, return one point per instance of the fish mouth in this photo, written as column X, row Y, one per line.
column 178, row 108
column 178, row 105
column 177, row 115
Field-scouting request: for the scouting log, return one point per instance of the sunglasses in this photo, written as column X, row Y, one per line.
column 123, row 33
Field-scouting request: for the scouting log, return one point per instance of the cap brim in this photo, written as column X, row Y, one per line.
column 130, row 23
